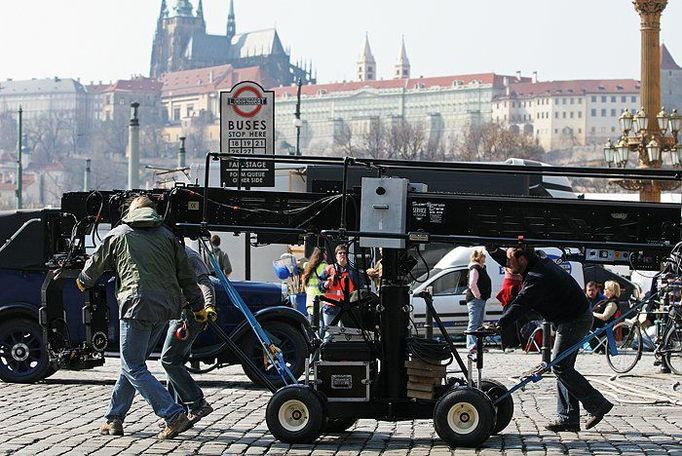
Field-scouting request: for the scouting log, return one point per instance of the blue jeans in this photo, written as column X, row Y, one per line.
column 476, row 308
column 175, row 352
column 137, row 341
column 328, row 315
column 572, row 387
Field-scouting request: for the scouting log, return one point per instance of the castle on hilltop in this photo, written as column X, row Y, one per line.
column 181, row 43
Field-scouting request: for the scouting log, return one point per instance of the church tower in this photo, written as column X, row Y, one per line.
column 231, row 22
column 402, row 65
column 174, row 32
column 159, row 48
column 366, row 65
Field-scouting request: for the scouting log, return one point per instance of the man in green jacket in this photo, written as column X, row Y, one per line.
column 154, row 282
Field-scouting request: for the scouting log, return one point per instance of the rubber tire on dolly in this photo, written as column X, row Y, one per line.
column 295, row 414
column 505, row 409
column 464, row 417
column 294, row 348
column 23, row 333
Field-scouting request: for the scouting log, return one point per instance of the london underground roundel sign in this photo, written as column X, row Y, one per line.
column 247, row 126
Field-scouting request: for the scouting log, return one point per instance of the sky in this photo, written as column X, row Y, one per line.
column 103, row 40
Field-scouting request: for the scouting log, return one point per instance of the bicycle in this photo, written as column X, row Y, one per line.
column 625, row 341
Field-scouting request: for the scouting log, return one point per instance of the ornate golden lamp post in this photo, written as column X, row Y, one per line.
column 649, row 127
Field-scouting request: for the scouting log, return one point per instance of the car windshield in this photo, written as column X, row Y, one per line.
column 423, row 278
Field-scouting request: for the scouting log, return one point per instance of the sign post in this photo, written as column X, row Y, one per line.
column 247, row 126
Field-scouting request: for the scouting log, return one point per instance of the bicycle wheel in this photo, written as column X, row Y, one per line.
column 672, row 349
column 628, row 340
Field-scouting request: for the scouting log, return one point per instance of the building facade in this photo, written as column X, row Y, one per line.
column 182, row 43
column 443, row 108
column 190, row 100
column 60, row 101
column 563, row 114
column 111, row 102
column 671, row 81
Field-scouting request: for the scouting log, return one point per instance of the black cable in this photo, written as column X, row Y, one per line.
column 429, row 351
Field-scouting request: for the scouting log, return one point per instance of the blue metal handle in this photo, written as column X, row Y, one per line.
column 276, row 358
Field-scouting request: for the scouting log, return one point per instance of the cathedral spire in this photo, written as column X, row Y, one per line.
column 183, row 8
column 402, row 65
column 231, row 22
column 163, row 13
column 366, row 65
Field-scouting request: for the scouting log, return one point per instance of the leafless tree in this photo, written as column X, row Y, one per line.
column 407, row 141
column 374, row 140
column 491, row 141
column 343, row 140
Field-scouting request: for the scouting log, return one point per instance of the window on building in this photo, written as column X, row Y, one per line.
column 564, row 114
column 580, row 114
column 556, row 115
column 603, row 99
column 513, row 104
column 580, row 130
column 613, row 113
column 623, row 99
column 593, row 112
column 190, row 110
column 633, row 99
column 563, row 101
column 594, row 99
column 613, row 129
column 572, row 100
column 580, row 101
column 593, row 130
column 613, row 99
column 571, row 114
column 176, row 114
column 603, row 112
column 556, row 130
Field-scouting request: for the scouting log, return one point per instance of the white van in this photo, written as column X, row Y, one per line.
column 449, row 280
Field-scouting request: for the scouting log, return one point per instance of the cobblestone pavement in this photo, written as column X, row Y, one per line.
column 62, row 414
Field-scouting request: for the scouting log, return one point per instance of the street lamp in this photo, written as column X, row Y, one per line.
column 298, row 123
column 647, row 133
column 649, row 146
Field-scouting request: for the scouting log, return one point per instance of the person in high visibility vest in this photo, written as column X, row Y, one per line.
column 337, row 279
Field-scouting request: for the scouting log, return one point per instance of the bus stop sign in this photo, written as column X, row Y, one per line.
column 247, row 126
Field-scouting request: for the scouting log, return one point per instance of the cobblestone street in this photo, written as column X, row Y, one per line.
column 62, row 415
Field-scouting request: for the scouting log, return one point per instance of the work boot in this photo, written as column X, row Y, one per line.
column 195, row 416
column 664, row 369
column 562, row 426
column 175, row 427
column 594, row 419
column 112, row 427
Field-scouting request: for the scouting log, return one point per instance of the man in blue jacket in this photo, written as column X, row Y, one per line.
column 550, row 291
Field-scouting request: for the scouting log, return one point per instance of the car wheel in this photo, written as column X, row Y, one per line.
column 287, row 338
column 23, row 352
column 295, row 414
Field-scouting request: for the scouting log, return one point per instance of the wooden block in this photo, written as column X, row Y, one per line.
column 419, row 364
column 424, row 373
column 425, row 380
column 428, row 387
column 419, row 394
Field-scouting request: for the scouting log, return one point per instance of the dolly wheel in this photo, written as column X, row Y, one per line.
column 295, row 414
column 505, row 409
column 464, row 417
